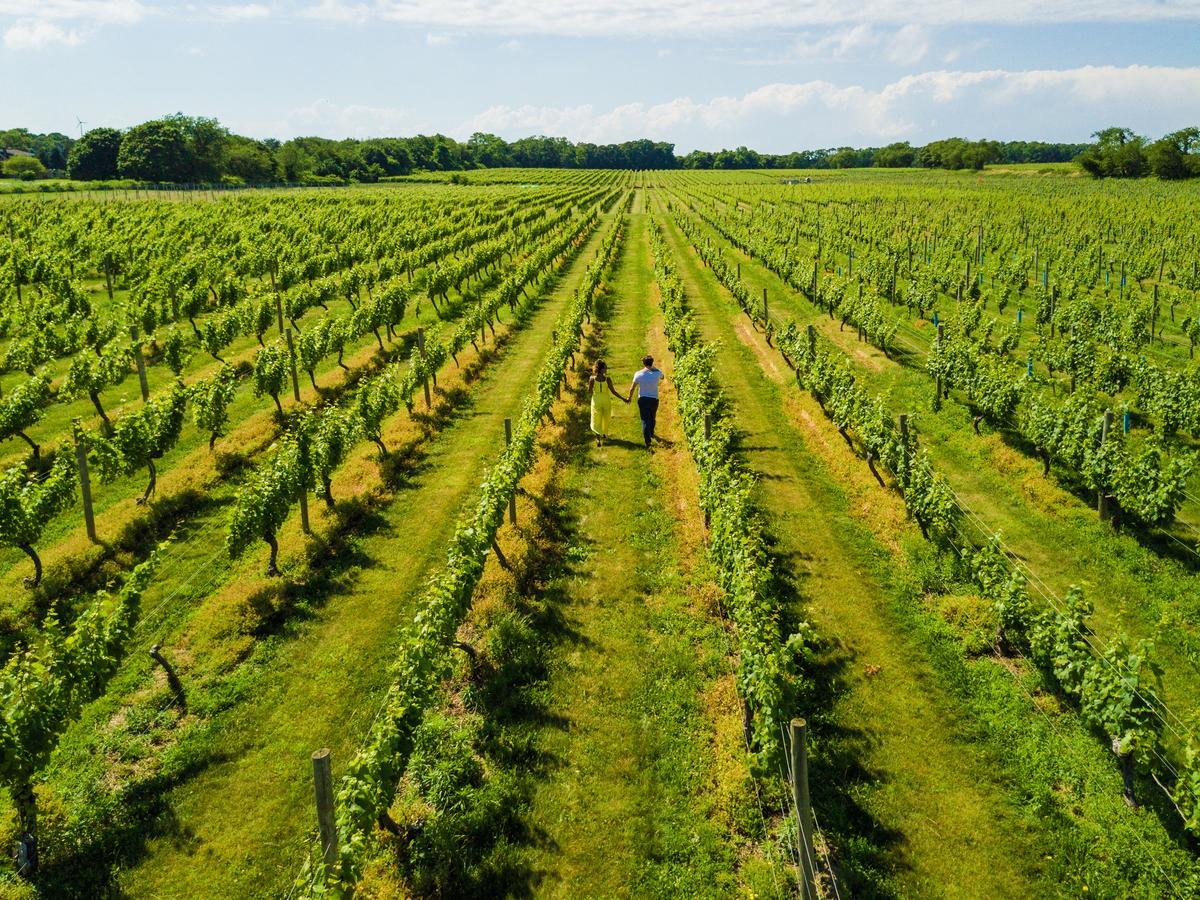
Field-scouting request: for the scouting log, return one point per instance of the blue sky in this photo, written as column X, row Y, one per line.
column 700, row 73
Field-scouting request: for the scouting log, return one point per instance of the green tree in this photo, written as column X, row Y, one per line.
column 90, row 373
column 15, row 139
column 210, row 402
column 895, row 156
column 139, row 438
column 94, row 156
column 270, row 372
column 293, row 162
column 24, row 167
column 155, row 151
column 252, row 161
column 1117, row 153
column 262, row 504
column 489, row 150
column 1176, row 155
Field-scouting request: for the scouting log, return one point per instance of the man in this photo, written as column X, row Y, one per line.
column 645, row 381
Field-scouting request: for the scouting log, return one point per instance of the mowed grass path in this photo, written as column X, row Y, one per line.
column 628, row 808
column 893, row 765
column 243, row 822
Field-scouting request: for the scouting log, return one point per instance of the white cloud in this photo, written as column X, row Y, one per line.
column 974, row 101
column 905, row 46
column 512, row 46
column 673, row 17
column 965, row 51
column 323, row 117
column 835, row 44
column 337, row 11
column 439, row 39
column 663, row 52
column 908, row 46
column 34, row 35
column 36, row 24
column 98, row 12
column 240, row 12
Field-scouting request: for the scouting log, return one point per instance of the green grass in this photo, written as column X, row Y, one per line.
column 274, row 673
column 597, row 749
column 1047, row 773
column 624, row 808
column 1138, row 588
column 915, row 816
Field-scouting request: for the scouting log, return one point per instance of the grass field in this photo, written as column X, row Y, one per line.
column 566, row 705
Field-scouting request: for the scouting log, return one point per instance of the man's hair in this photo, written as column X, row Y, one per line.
column 647, row 361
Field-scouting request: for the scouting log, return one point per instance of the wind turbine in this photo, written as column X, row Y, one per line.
column 81, row 124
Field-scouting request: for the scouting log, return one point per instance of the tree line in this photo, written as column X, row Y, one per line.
column 181, row 149
column 951, row 153
column 1119, row 153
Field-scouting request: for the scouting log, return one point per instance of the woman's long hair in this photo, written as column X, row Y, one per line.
column 599, row 367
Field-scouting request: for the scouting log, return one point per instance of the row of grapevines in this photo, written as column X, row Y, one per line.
column 263, row 502
column 44, row 687
column 1113, row 687
column 1144, row 481
column 769, row 658
column 369, row 785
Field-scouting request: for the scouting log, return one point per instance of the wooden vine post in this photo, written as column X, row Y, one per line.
column 292, row 364
column 940, row 334
column 425, row 364
column 85, row 481
column 707, row 436
column 512, row 500
column 1102, row 497
column 800, row 798
column 140, row 361
column 323, row 779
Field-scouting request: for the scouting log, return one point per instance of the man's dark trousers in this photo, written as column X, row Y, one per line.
column 648, row 407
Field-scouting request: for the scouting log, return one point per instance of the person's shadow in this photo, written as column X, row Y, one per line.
column 611, row 441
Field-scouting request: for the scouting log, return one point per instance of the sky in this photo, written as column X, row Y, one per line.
column 699, row 73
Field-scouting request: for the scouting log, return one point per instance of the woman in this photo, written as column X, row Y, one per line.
column 601, row 401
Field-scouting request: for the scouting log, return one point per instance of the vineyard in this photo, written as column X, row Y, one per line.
column 317, row 584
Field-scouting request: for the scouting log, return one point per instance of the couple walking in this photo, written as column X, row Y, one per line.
column 645, row 381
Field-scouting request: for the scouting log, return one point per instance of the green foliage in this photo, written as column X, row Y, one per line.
column 94, row 156
column 263, row 501
column 1117, row 153
column 174, row 349
column 28, row 505
column 90, row 373
column 374, row 401
column 210, row 402
column 1116, row 686
column 769, row 656
column 141, row 437
column 24, row 406
column 330, row 434
column 421, row 661
column 154, row 151
column 43, row 688
column 271, row 372
column 24, row 167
